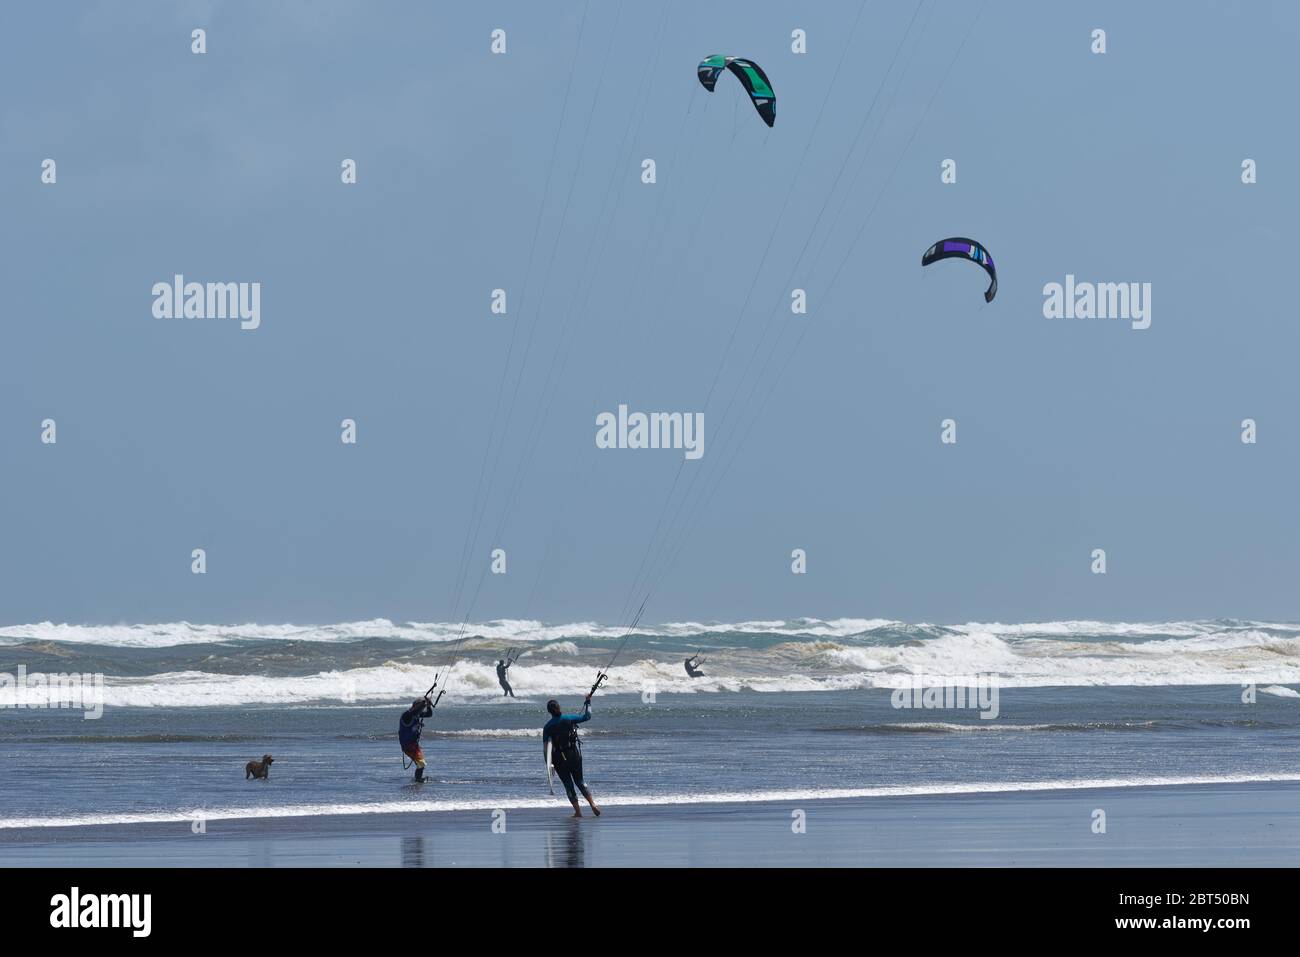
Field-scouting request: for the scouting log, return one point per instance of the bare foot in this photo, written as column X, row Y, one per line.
column 595, row 810
column 577, row 814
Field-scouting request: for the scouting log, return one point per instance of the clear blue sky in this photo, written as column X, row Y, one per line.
column 225, row 167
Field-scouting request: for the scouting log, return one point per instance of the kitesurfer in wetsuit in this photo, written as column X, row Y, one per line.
column 691, row 668
column 502, row 667
column 409, row 730
column 566, row 753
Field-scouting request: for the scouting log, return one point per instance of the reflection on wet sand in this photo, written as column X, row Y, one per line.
column 413, row 851
column 566, row 848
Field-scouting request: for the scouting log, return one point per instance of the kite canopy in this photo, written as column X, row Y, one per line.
column 960, row 248
column 751, row 77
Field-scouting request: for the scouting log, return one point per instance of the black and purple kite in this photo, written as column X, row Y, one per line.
column 959, row 248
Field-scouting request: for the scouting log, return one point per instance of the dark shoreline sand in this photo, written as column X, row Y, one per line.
column 1215, row 825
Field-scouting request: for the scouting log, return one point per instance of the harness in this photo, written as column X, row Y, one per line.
column 564, row 741
column 407, row 733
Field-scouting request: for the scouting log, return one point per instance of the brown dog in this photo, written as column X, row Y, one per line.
column 258, row 769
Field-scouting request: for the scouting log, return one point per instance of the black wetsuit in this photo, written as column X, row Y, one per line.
column 691, row 669
column 566, row 753
column 501, row 677
column 408, row 735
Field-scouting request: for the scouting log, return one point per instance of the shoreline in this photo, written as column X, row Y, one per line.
column 1217, row 824
column 436, row 806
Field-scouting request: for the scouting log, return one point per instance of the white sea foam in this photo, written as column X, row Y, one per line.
column 632, row 800
column 1119, row 629
column 801, row 655
column 829, row 669
column 169, row 634
column 185, row 633
column 393, row 681
column 560, row 648
column 966, row 728
column 812, row 627
column 1207, row 659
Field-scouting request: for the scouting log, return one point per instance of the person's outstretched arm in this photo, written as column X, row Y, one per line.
column 586, row 713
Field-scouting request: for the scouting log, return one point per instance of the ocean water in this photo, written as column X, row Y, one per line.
column 801, row 709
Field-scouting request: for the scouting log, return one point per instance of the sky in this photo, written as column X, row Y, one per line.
column 522, row 171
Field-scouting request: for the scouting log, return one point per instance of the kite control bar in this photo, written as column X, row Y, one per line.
column 430, row 691
column 600, row 678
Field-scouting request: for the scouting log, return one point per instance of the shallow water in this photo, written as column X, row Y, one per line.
column 800, row 707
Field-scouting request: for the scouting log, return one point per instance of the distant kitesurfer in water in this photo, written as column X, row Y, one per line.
column 502, row 667
column 409, row 730
column 566, row 754
column 691, row 668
